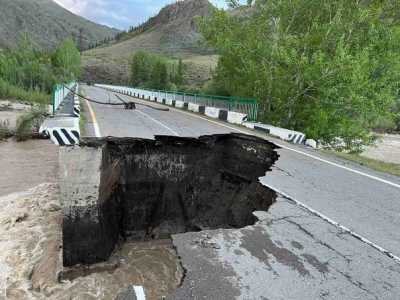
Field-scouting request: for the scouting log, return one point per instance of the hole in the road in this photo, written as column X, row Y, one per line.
column 151, row 189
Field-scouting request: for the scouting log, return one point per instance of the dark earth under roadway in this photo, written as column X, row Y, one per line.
column 332, row 233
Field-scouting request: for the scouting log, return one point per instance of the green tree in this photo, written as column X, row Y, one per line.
column 179, row 73
column 328, row 68
column 27, row 73
column 66, row 61
column 154, row 71
column 159, row 75
column 140, row 68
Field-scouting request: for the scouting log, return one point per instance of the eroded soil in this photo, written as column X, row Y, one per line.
column 387, row 149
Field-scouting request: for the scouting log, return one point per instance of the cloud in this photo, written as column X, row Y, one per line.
column 75, row 6
column 120, row 14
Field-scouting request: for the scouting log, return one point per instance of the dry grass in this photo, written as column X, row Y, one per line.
column 171, row 33
column 374, row 164
column 29, row 123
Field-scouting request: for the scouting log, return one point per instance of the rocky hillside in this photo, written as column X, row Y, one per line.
column 47, row 23
column 172, row 32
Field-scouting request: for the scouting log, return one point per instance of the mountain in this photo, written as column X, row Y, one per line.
column 47, row 23
column 172, row 32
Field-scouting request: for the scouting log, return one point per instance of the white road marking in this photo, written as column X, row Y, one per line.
column 139, row 291
column 96, row 127
column 302, row 205
column 336, row 224
column 295, row 150
column 158, row 122
column 302, row 153
column 311, row 210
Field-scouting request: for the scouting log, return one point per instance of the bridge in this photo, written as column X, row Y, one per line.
column 332, row 232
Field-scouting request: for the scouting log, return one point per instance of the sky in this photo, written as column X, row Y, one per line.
column 119, row 13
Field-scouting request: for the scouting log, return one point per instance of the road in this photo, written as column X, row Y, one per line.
column 333, row 234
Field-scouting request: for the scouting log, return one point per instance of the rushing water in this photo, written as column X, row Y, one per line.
column 24, row 165
column 31, row 240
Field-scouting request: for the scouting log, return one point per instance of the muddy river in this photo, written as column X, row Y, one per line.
column 26, row 164
column 31, row 239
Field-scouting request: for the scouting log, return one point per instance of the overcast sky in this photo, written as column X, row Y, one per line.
column 119, row 13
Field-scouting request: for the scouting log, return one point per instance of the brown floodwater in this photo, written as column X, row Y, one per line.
column 24, row 165
column 31, row 240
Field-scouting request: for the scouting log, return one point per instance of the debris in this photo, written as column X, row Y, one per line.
column 206, row 242
column 20, row 217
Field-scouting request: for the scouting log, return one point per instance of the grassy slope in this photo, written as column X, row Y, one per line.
column 374, row 164
column 46, row 22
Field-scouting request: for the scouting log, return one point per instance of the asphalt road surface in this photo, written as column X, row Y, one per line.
column 333, row 233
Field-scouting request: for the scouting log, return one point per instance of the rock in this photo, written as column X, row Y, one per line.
column 312, row 143
column 206, row 242
column 20, row 217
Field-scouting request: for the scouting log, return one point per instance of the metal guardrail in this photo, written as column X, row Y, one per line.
column 59, row 93
column 248, row 106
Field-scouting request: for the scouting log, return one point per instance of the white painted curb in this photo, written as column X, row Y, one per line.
column 64, row 130
column 179, row 104
column 194, row 107
column 236, row 118
column 232, row 117
column 212, row 112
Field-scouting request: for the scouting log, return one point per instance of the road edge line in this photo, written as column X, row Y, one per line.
column 158, row 122
column 301, row 152
column 96, row 127
column 334, row 223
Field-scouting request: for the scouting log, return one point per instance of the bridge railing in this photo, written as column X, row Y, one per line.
column 248, row 106
column 59, row 94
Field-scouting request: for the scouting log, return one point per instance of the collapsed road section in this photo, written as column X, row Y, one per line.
column 133, row 189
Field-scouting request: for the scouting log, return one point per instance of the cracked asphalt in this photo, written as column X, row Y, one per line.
column 291, row 253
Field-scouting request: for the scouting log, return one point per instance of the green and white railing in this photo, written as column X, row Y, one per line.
column 247, row 106
column 59, row 93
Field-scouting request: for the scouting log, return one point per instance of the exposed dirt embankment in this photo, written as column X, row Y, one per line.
column 151, row 189
column 387, row 149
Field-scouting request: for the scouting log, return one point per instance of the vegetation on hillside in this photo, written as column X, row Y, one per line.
column 29, row 74
column 155, row 71
column 328, row 68
column 48, row 24
column 172, row 32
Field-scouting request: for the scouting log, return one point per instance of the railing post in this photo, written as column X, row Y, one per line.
column 53, row 98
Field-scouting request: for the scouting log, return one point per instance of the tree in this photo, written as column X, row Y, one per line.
column 152, row 71
column 141, row 66
column 66, row 61
column 159, row 75
column 179, row 73
column 328, row 68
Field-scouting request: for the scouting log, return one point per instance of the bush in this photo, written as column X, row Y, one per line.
column 5, row 132
column 28, row 124
column 13, row 92
column 385, row 124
